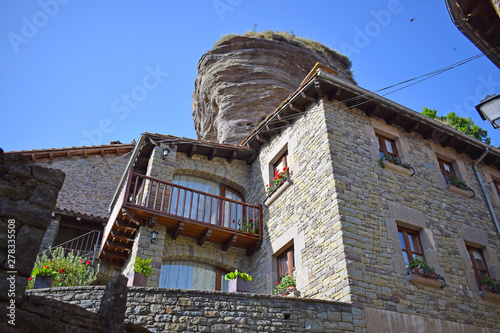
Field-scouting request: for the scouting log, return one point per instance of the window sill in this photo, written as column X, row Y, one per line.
column 278, row 192
column 418, row 279
column 459, row 191
column 399, row 169
column 489, row 295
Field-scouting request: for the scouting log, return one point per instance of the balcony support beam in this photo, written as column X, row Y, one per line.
column 178, row 230
column 204, row 236
column 133, row 217
column 253, row 248
column 230, row 242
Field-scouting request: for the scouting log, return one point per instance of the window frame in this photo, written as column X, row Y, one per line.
column 382, row 147
column 496, row 183
column 282, row 159
column 219, row 272
column 407, row 248
column 290, row 254
column 444, row 172
column 475, row 268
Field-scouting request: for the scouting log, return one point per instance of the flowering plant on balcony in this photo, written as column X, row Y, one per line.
column 283, row 287
column 278, row 179
column 252, row 227
column 419, row 266
column 395, row 160
column 67, row 269
column 489, row 284
column 453, row 180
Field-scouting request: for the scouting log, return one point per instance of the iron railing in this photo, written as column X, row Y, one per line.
column 85, row 246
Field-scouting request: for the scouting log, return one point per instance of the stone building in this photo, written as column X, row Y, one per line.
column 371, row 185
column 342, row 224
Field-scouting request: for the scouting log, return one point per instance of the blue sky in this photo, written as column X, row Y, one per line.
column 67, row 66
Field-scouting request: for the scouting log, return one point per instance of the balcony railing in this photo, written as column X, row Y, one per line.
column 187, row 204
column 86, row 246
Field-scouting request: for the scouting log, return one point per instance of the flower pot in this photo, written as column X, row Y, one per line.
column 44, row 281
column 489, row 295
column 291, row 292
column 137, row 280
column 239, row 285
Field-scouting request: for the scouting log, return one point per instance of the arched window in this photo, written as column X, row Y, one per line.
column 206, row 208
column 192, row 275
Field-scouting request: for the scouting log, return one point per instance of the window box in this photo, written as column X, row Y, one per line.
column 290, row 292
column 136, row 280
column 396, row 164
column 429, row 279
column 489, row 294
column 465, row 192
column 277, row 192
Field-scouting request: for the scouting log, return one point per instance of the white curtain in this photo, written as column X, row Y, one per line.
column 202, row 207
column 233, row 211
column 187, row 275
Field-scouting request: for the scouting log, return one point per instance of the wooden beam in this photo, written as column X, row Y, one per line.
column 153, row 221
column 33, row 158
column 119, row 245
column 282, row 119
column 294, row 109
column 352, row 102
column 126, row 225
column 253, row 248
column 121, row 234
column 272, row 130
column 412, row 127
column 212, row 154
column 250, row 159
column 262, row 138
column 133, row 217
column 372, row 111
column 336, row 94
column 427, row 135
column 102, row 152
column 232, row 156
column 317, row 87
column 178, row 230
column 191, row 151
column 51, row 156
column 230, row 242
column 461, row 148
column 207, row 233
column 308, row 98
column 447, row 141
column 114, row 254
column 393, row 118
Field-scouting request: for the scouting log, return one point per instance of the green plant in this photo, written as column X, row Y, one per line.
column 393, row 159
column 282, row 286
column 457, row 182
column 490, row 284
column 278, row 179
column 143, row 266
column 418, row 263
column 67, row 269
column 251, row 226
column 236, row 274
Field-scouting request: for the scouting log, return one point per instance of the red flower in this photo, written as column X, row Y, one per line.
column 62, row 271
column 284, row 169
column 89, row 262
column 30, row 278
column 47, row 267
column 81, row 261
column 250, row 234
column 277, row 282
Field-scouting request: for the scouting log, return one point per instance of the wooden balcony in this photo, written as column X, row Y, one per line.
column 184, row 211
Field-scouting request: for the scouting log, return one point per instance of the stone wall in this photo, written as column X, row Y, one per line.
column 173, row 310
column 90, row 181
column 373, row 201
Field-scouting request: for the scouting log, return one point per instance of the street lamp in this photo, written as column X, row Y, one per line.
column 489, row 109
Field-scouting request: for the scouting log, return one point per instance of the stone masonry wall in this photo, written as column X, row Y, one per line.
column 90, row 182
column 165, row 248
column 174, row 310
column 305, row 214
column 371, row 200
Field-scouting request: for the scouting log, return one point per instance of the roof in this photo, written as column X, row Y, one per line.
column 116, row 147
column 323, row 85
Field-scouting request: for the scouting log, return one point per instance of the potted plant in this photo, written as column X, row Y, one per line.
column 395, row 160
column 142, row 269
column 44, row 277
column 286, row 286
column 278, row 179
column 238, row 281
column 490, row 288
column 421, row 273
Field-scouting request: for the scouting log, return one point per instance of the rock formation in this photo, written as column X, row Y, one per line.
column 242, row 80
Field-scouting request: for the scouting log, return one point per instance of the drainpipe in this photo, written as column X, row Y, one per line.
column 492, row 211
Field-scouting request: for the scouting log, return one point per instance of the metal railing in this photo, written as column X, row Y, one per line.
column 190, row 204
column 85, row 246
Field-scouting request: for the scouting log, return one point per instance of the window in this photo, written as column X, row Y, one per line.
column 446, row 169
column 192, row 275
column 286, row 263
column 478, row 263
column 386, row 146
column 281, row 163
column 497, row 186
column 410, row 243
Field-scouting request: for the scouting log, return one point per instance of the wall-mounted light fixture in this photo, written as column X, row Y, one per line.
column 166, row 151
column 489, row 109
column 154, row 234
